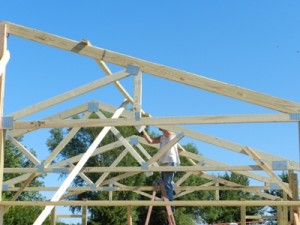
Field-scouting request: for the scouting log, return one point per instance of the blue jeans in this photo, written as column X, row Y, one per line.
column 167, row 178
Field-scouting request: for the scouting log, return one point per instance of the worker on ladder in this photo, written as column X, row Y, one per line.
column 170, row 158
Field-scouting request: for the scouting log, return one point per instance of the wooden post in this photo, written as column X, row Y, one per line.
column 84, row 213
column 129, row 217
column 53, row 216
column 243, row 215
column 285, row 211
column 293, row 183
column 3, row 48
column 280, row 220
column 217, row 192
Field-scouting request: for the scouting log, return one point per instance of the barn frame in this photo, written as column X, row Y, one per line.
column 12, row 126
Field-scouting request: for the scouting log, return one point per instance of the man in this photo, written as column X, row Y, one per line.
column 170, row 158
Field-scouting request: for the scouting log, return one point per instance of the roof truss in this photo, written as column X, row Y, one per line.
column 288, row 112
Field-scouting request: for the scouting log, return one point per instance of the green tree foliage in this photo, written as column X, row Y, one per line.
column 20, row 215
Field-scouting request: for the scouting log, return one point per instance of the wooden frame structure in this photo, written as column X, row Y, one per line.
column 13, row 126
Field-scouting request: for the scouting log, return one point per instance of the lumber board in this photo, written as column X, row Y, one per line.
column 154, row 203
column 25, row 151
column 154, row 121
column 268, row 170
column 162, row 71
column 120, row 169
column 138, row 189
column 3, row 51
column 69, row 95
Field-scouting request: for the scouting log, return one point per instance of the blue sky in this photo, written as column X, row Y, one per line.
column 250, row 43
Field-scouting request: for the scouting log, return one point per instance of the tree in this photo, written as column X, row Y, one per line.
column 20, row 215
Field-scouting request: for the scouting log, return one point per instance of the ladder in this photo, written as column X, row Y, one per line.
column 159, row 184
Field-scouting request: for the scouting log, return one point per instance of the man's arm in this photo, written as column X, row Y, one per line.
column 149, row 139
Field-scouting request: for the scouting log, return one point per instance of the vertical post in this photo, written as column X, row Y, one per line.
column 137, row 101
column 129, row 217
column 285, row 211
column 53, row 216
column 243, row 214
column 3, row 48
column 293, row 183
column 84, row 213
column 280, row 215
column 110, row 193
column 217, row 192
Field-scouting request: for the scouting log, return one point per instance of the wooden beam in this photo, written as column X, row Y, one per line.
column 69, row 95
column 140, row 189
column 137, row 90
column 268, row 170
column 120, row 169
column 84, row 214
column 156, row 69
column 3, row 52
column 158, row 121
column 154, row 203
column 25, row 151
column 129, row 216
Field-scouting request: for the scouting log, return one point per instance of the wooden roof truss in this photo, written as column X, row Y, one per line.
column 13, row 126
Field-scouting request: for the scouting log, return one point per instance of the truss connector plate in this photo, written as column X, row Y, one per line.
column 295, row 116
column 4, row 187
column 280, row 165
column 133, row 140
column 60, row 170
column 133, row 70
column 109, row 188
column 145, row 165
column 40, row 168
column 137, row 116
column 274, row 187
column 7, row 122
column 112, row 182
column 94, row 187
column 93, row 106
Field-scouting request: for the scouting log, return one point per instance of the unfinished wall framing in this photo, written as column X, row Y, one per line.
column 13, row 126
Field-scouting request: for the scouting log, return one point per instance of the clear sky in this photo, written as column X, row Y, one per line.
column 253, row 44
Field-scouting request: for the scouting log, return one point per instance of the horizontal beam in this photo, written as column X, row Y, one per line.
column 149, row 203
column 145, row 188
column 135, row 169
column 162, row 71
column 267, row 118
